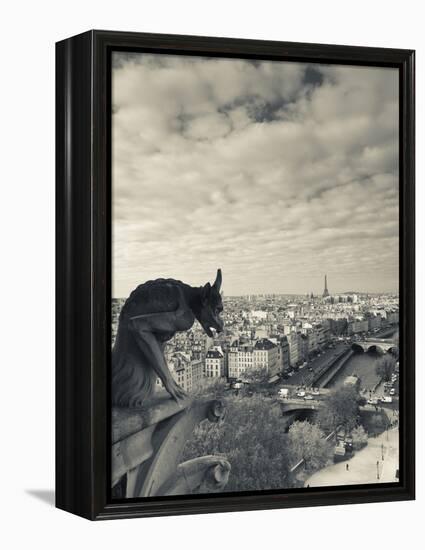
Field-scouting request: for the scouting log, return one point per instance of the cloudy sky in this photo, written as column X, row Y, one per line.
column 276, row 172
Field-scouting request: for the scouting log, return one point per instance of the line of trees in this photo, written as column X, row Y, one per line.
column 385, row 367
column 255, row 440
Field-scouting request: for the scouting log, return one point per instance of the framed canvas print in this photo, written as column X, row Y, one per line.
column 235, row 275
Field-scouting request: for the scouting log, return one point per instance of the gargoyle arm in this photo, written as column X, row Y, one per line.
column 143, row 328
column 164, row 321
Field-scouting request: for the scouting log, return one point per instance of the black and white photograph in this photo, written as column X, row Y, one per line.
column 211, row 236
column 254, row 275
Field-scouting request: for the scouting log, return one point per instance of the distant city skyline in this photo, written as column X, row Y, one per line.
column 317, row 294
column 279, row 173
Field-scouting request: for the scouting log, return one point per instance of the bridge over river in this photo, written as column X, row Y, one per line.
column 292, row 404
column 379, row 345
column 301, row 409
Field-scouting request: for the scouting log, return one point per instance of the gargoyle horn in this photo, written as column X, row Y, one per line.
column 217, row 283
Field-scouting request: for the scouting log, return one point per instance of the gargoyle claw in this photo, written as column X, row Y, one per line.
column 174, row 390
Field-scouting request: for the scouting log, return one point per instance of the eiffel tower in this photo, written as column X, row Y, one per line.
column 326, row 291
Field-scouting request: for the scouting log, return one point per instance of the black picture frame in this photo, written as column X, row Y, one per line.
column 83, row 214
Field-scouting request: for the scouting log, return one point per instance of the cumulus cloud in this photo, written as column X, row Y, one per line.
column 276, row 172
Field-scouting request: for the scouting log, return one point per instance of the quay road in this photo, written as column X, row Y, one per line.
column 387, row 332
column 316, row 365
column 362, row 365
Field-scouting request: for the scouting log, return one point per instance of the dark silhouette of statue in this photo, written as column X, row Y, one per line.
column 151, row 316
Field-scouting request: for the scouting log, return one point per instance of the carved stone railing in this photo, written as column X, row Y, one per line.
column 147, row 444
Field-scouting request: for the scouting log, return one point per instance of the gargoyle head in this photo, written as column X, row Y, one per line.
column 211, row 307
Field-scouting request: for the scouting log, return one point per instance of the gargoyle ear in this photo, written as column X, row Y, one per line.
column 217, row 282
column 205, row 294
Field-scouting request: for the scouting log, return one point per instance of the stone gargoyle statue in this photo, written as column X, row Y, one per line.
column 151, row 316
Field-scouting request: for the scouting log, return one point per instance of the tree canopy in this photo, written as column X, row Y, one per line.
column 307, row 442
column 359, row 436
column 341, row 408
column 385, row 367
column 252, row 438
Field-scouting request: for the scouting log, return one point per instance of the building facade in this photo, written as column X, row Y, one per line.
column 283, row 353
column 187, row 371
column 358, row 325
column 243, row 358
column 240, row 359
column 265, row 356
column 293, row 341
column 214, row 363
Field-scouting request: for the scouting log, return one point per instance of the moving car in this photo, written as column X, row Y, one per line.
column 308, row 397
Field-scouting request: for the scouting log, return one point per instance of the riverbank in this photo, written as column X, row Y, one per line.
column 376, row 463
column 325, row 379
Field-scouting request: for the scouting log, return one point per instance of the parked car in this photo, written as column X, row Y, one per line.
column 392, row 391
column 373, row 401
column 308, row 397
column 315, row 391
column 301, row 393
column 386, row 399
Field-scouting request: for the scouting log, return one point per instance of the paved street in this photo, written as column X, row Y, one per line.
column 316, row 364
column 363, row 467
